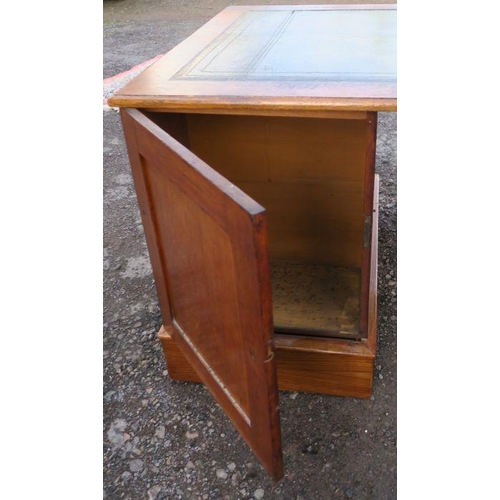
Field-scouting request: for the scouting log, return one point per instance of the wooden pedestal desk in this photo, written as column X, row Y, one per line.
column 252, row 147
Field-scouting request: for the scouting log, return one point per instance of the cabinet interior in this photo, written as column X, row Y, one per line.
column 308, row 173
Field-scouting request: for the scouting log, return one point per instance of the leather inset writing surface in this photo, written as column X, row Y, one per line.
column 291, row 59
column 325, row 45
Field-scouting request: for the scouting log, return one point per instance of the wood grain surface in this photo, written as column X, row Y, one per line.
column 308, row 173
column 324, row 366
column 211, row 240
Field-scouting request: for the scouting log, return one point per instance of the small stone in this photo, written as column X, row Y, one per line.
column 221, row 473
column 153, row 492
column 190, row 465
column 258, row 494
column 126, row 475
column 136, row 465
column 109, row 395
column 149, row 390
column 231, row 466
column 192, row 435
column 380, row 376
column 115, row 433
column 160, row 432
column 349, row 493
column 293, row 395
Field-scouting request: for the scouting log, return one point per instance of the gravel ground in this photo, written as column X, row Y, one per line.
column 168, row 440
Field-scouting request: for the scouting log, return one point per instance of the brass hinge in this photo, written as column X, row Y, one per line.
column 367, row 231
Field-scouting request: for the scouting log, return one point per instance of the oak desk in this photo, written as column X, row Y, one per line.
column 252, row 146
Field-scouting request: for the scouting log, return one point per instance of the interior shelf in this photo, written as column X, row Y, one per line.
column 316, row 299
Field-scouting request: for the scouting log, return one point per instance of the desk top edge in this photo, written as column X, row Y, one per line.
column 247, row 105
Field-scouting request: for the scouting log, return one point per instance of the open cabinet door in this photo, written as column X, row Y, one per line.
column 208, row 246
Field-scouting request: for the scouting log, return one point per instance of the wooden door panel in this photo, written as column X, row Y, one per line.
column 199, row 248
column 208, row 243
